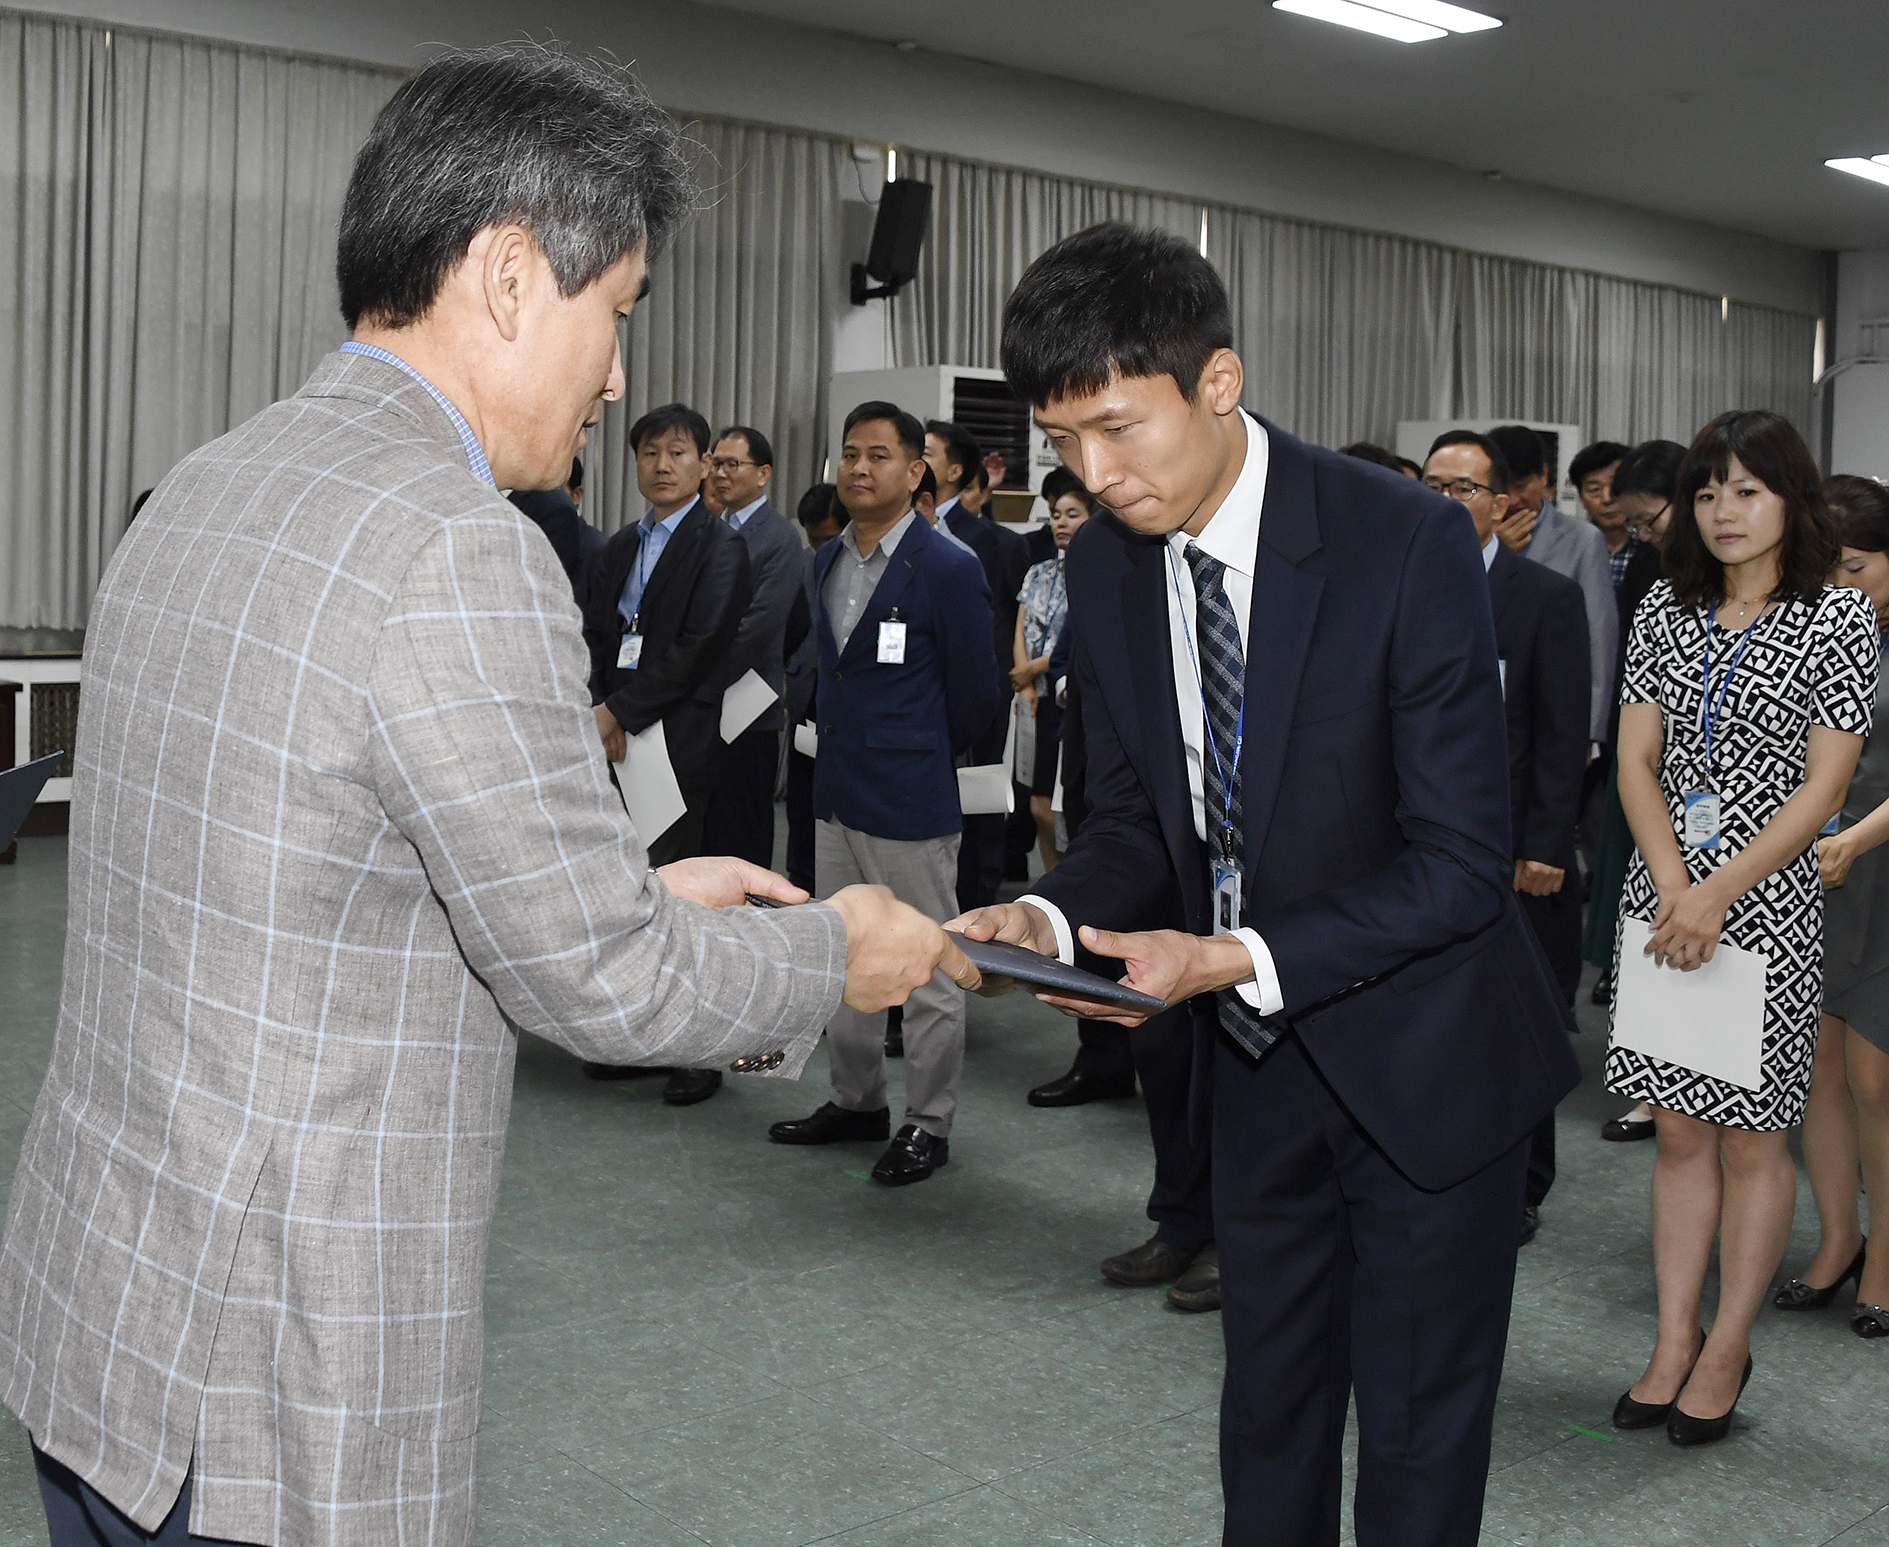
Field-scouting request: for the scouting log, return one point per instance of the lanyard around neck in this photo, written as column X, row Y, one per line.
column 1206, row 717
column 1709, row 710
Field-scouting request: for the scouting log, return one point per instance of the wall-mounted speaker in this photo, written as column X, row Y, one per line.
column 898, row 235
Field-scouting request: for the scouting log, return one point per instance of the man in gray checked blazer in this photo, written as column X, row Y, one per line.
column 340, row 813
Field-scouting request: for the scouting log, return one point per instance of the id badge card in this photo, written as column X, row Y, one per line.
column 630, row 652
column 1226, row 897
column 891, row 644
column 1701, row 819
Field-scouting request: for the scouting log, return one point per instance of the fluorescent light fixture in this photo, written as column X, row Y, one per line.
column 1407, row 21
column 1877, row 171
column 1452, row 18
column 1364, row 18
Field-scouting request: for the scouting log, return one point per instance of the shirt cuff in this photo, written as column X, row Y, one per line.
column 1065, row 940
column 1264, row 993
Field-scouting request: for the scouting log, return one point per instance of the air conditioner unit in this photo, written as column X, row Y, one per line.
column 980, row 400
column 1560, row 441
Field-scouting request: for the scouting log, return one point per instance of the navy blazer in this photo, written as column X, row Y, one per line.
column 1541, row 637
column 1376, row 803
column 888, row 734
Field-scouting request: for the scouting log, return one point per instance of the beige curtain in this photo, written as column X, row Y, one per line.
column 168, row 271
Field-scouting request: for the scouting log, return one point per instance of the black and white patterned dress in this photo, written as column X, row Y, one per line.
column 1807, row 664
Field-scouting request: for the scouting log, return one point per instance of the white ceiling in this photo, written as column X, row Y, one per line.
column 1722, row 112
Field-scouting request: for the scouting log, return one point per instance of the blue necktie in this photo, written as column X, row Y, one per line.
column 1223, row 685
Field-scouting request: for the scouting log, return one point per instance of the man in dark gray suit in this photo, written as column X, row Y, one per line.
column 741, row 811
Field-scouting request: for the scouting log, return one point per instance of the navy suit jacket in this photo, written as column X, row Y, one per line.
column 888, row 734
column 1375, row 797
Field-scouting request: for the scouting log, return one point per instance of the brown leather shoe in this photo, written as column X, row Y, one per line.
column 1198, row 1289
column 1153, row 1262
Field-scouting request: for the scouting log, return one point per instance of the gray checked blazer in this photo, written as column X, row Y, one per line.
column 339, row 811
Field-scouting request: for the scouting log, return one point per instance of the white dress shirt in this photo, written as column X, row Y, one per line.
column 1231, row 536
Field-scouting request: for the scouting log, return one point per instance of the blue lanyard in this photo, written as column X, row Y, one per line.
column 1709, row 710
column 1206, row 718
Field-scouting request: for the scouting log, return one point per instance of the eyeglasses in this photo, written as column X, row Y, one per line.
column 729, row 464
column 1463, row 489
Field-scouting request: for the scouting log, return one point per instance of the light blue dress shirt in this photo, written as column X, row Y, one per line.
column 475, row 453
column 739, row 518
column 656, row 535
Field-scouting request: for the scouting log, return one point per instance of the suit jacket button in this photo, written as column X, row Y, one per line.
column 838, row 678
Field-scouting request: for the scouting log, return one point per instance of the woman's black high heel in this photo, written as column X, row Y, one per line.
column 1632, row 1414
column 1683, row 1429
column 1799, row 1296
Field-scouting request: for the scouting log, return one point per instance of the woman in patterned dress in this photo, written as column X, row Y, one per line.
column 1792, row 665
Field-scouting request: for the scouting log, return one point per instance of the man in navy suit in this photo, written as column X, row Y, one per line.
column 1298, row 791
column 907, row 681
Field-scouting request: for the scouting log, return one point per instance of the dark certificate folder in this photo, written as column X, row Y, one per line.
column 19, row 788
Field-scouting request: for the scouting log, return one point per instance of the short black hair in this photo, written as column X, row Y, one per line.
column 1769, row 448
column 571, row 149
column 927, row 483
column 818, row 503
column 910, row 432
column 760, row 453
column 1522, row 451
column 1860, row 509
column 1412, row 469
column 138, row 505
column 671, row 416
column 1652, row 467
column 1059, row 481
column 961, row 446
column 1365, row 451
column 576, row 480
column 1498, row 464
column 1591, row 459
column 1113, row 300
column 980, row 476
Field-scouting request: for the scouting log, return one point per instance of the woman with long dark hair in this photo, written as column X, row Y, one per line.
column 1847, row 1121
column 1750, row 684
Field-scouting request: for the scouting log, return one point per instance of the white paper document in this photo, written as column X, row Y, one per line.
column 1710, row 1020
column 988, row 789
column 806, row 739
column 649, row 785
column 742, row 704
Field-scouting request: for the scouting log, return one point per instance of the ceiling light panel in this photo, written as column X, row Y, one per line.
column 1453, row 18
column 1363, row 17
column 1877, row 171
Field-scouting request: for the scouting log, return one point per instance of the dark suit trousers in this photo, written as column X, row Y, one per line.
column 1557, row 924
column 740, row 819
column 1339, row 1274
column 800, row 820
column 1160, row 1054
column 77, row 1515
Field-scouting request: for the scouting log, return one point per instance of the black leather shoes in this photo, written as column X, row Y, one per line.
column 1153, row 1262
column 1620, row 1130
column 622, row 1071
column 1531, row 1221
column 831, row 1125
column 1869, row 1321
column 1683, row 1429
column 688, row 1086
column 1629, row 1414
column 1075, row 1088
column 1198, row 1289
column 911, row 1157
column 1799, row 1296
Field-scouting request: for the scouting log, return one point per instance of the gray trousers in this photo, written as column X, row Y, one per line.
column 924, row 873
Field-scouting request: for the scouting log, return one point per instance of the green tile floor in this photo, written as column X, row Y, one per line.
column 695, row 1336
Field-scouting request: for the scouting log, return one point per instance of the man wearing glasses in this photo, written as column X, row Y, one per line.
column 741, row 805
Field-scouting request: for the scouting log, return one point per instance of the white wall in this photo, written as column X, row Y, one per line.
column 704, row 59
column 1858, row 402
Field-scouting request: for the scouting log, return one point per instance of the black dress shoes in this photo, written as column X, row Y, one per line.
column 1629, row 1414
column 1683, row 1429
column 1075, row 1088
column 911, row 1157
column 621, row 1071
column 1198, row 1289
column 1603, row 991
column 1621, row 1130
column 1153, row 1262
column 1531, row 1221
column 1799, row 1296
column 832, row 1125
column 688, row 1086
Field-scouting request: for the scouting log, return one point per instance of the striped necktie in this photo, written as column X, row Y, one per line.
column 1223, row 687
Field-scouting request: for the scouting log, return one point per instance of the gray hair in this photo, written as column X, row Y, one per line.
column 571, row 149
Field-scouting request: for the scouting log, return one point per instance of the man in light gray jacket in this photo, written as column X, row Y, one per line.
column 1536, row 528
column 340, row 814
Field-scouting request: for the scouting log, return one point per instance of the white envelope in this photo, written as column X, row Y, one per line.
column 988, row 788
column 743, row 703
column 649, row 785
column 806, row 739
column 1710, row 1020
